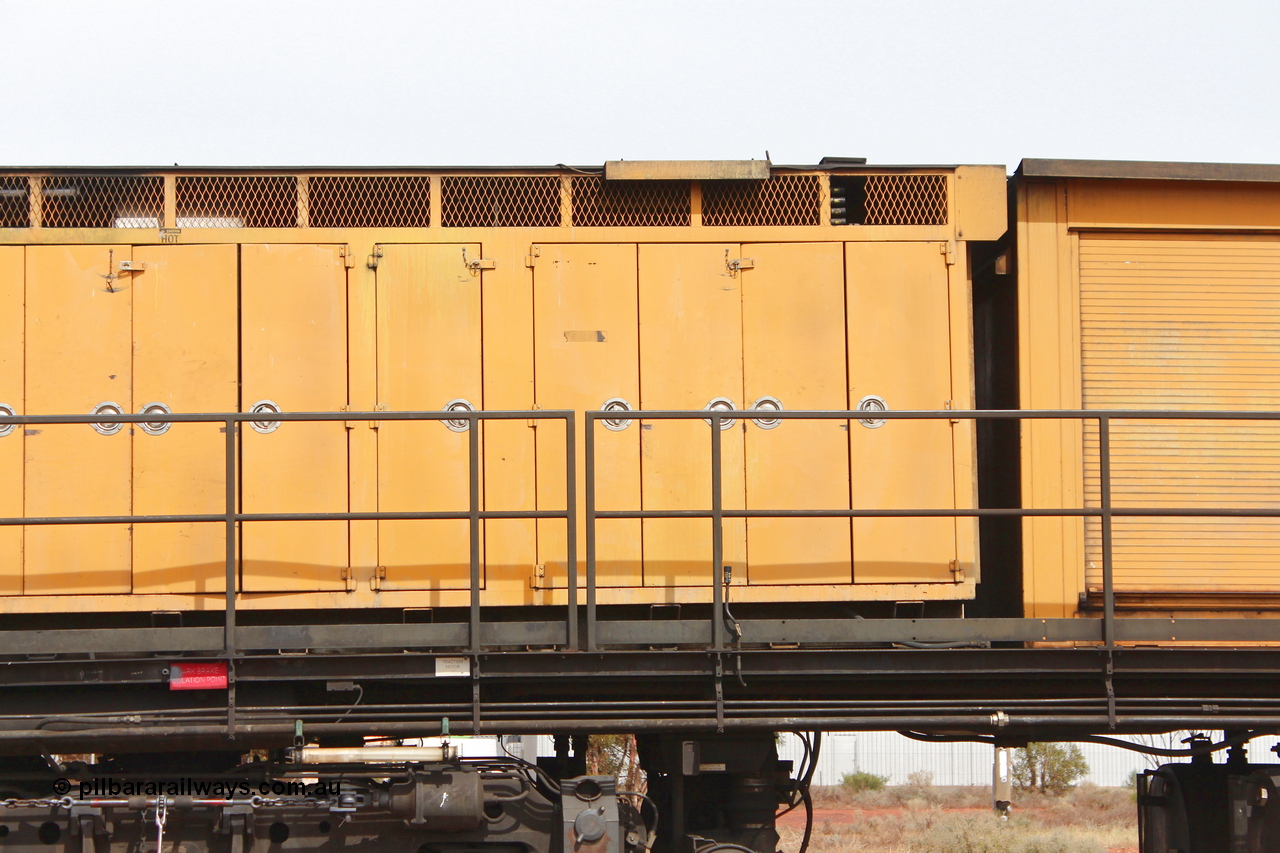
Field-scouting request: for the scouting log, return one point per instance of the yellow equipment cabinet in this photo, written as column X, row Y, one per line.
column 12, row 277
column 293, row 310
column 78, row 360
column 1150, row 286
column 184, row 360
column 429, row 358
column 526, row 290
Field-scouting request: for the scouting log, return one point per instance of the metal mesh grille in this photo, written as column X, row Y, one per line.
column 352, row 201
column 617, row 203
column 224, row 201
column 780, row 200
column 102, row 201
column 15, row 211
column 485, row 201
column 906, row 200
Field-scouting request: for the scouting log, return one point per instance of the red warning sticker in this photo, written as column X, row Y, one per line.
column 198, row 676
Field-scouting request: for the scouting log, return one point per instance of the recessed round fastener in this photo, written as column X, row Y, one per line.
column 155, row 427
column 265, row 407
column 872, row 403
column 8, row 412
column 721, row 404
column 616, row 404
column 458, row 405
column 107, row 408
column 767, row 404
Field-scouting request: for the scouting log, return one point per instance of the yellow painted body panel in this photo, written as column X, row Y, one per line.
column 79, row 343
column 793, row 339
column 690, row 354
column 585, row 352
column 429, row 345
column 12, row 295
column 900, row 350
column 184, row 356
column 293, row 340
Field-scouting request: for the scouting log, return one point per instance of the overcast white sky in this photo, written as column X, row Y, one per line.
column 496, row 83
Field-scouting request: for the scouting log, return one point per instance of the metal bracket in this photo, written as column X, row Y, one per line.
column 948, row 250
column 735, row 265
column 957, row 571
column 374, row 258
column 946, row 404
column 530, row 259
column 1111, row 691
column 231, row 700
column 348, row 575
column 379, row 575
column 539, row 574
column 477, row 264
column 348, row 256
column 132, row 266
column 475, row 694
column 719, row 694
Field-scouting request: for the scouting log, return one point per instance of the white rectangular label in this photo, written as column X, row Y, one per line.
column 453, row 667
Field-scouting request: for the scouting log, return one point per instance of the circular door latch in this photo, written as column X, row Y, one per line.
column 8, row 412
column 767, row 404
column 616, row 404
column 107, row 408
column 872, row 403
column 458, row 405
column 265, row 407
column 155, row 427
column 721, row 404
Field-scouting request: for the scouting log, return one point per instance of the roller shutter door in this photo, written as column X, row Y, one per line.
column 1188, row 322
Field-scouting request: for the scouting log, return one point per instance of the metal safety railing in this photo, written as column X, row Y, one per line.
column 713, row 635
column 717, row 513
column 231, row 517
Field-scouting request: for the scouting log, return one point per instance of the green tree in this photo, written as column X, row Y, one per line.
column 1050, row 768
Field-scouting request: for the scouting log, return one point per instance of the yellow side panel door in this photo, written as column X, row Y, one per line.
column 428, row 356
column 185, row 303
column 690, row 354
column 899, row 350
column 79, row 313
column 12, row 278
column 793, row 350
column 294, row 354
column 585, row 353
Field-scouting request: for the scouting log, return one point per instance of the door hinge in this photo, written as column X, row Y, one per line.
column 380, row 407
column 379, row 575
column 946, row 404
column 533, row 422
column 477, row 264
column 374, row 258
column 948, row 250
column 957, row 570
column 349, row 575
column 539, row 574
column 530, row 259
column 348, row 256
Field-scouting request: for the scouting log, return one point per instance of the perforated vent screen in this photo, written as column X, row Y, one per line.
column 102, row 201
column 230, row 201
column 503, row 201
column 620, row 203
column 906, row 200
column 15, row 208
column 369, row 201
column 780, row 200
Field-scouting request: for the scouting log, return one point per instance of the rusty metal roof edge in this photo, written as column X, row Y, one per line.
column 1149, row 170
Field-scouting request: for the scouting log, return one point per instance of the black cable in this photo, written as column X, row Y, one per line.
column 653, row 829
column 1143, row 748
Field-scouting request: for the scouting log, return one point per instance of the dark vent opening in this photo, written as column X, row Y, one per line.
column 15, row 207
column 500, row 201
column 889, row 200
column 354, row 201
column 597, row 202
column 102, row 201
column 224, row 201
column 780, row 200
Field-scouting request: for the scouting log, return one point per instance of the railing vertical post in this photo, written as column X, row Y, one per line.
column 590, row 521
column 230, row 629
column 717, row 536
column 571, row 531
column 473, row 456
column 1104, row 483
